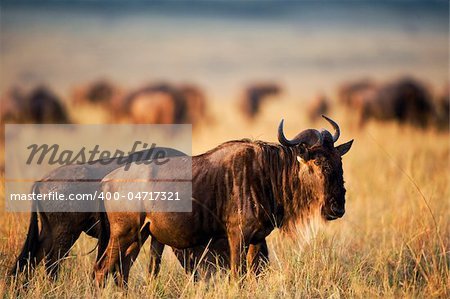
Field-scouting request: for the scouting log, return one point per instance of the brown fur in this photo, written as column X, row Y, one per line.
column 60, row 230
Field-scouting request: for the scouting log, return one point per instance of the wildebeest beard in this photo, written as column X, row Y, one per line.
column 297, row 194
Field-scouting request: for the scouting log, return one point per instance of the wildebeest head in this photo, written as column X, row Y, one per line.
column 320, row 170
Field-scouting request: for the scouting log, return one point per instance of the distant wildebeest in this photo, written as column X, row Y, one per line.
column 40, row 106
column 13, row 106
column 317, row 107
column 353, row 94
column 406, row 101
column 165, row 103
column 241, row 191
column 197, row 108
column 100, row 92
column 157, row 107
column 442, row 108
column 255, row 95
column 45, row 107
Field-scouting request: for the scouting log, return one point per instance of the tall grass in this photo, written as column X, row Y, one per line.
column 392, row 242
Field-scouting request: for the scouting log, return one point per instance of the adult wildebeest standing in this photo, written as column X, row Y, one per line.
column 196, row 104
column 405, row 100
column 45, row 107
column 99, row 92
column 317, row 107
column 155, row 103
column 255, row 95
column 241, row 191
column 60, row 230
column 352, row 94
column 40, row 106
column 442, row 108
column 13, row 105
column 165, row 103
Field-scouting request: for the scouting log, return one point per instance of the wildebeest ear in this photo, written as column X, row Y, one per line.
column 344, row 148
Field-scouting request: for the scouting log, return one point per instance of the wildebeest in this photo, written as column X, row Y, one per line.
column 165, row 103
column 40, row 106
column 442, row 107
column 60, row 230
column 13, row 104
column 405, row 100
column 255, row 95
column 100, row 92
column 353, row 94
column 241, row 191
column 197, row 108
column 45, row 107
column 158, row 107
column 317, row 107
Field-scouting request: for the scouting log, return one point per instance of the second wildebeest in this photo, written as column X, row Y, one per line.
column 60, row 230
column 241, row 191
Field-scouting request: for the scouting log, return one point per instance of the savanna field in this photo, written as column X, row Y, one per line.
column 392, row 242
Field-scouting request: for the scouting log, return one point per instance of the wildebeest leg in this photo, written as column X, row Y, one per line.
column 44, row 248
column 123, row 233
column 62, row 244
column 238, row 252
column 258, row 257
column 111, row 259
column 100, row 229
column 188, row 259
column 131, row 254
column 156, row 251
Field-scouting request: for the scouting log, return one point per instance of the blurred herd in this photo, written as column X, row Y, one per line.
column 405, row 100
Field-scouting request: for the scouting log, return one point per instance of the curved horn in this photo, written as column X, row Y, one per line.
column 309, row 137
column 337, row 131
column 281, row 138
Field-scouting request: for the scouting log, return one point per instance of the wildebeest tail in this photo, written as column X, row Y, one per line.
column 103, row 235
column 30, row 247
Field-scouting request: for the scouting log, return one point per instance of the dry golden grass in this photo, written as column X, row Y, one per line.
column 392, row 242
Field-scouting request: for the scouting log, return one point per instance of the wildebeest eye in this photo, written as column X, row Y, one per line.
column 317, row 162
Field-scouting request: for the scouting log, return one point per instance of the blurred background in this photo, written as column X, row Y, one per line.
column 308, row 46
column 110, row 52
